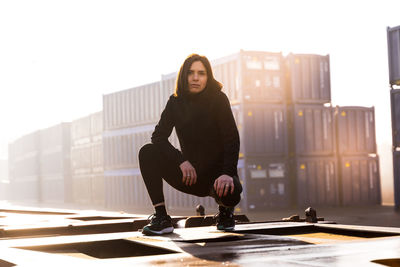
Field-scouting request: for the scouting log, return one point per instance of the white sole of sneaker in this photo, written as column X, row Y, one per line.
column 162, row 232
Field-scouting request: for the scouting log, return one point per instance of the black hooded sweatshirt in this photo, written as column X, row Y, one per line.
column 206, row 130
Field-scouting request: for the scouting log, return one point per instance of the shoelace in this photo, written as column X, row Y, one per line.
column 154, row 218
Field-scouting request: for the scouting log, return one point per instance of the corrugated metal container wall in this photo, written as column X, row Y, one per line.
column 265, row 130
column 126, row 191
column 23, row 156
column 25, row 189
column 355, row 130
column 55, row 165
column 395, row 102
column 24, row 172
column 137, row 106
column 309, row 77
column 4, row 182
column 176, row 200
column 81, row 131
column 96, row 125
column 87, row 160
column 97, row 157
column 393, row 36
column 237, row 111
column 82, row 188
column 360, row 182
column 81, row 159
column 396, row 176
column 120, row 151
column 263, row 77
column 98, row 190
column 226, row 70
column 317, row 181
column 267, row 183
column 312, row 130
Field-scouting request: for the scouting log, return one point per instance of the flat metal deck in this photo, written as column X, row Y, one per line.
column 75, row 238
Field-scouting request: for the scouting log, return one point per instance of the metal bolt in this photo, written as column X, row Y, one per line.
column 200, row 211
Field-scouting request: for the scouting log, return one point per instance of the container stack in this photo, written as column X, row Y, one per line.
column 129, row 120
column 87, row 160
column 359, row 179
column 55, row 185
column 23, row 165
column 40, row 168
column 395, row 103
column 255, row 84
column 393, row 36
column 311, row 131
column 294, row 144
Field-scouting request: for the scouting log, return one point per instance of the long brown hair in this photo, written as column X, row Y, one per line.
column 181, row 87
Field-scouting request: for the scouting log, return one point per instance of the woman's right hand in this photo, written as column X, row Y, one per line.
column 189, row 173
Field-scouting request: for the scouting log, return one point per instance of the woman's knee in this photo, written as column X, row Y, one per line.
column 146, row 152
column 230, row 200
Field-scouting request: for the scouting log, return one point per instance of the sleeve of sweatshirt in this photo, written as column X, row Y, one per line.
column 230, row 136
column 163, row 130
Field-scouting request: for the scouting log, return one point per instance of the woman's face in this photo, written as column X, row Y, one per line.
column 197, row 77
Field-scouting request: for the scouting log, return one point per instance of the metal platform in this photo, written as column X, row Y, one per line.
column 43, row 237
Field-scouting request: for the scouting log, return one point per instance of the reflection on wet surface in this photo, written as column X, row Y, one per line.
column 113, row 239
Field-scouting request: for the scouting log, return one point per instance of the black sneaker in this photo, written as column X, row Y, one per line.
column 159, row 225
column 225, row 220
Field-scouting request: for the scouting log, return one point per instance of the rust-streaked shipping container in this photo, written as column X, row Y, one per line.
column 309, row 78
column 360, row 180
column 316, row 181
column 266, row 183
column 312, row 130
column 355, row 130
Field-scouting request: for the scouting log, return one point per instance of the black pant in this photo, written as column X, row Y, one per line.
column 155, row 167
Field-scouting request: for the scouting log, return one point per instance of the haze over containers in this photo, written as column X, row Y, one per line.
column 311, row 131
column 87, row 160
column 39, row 166
column 334, row 149
column 296, row 149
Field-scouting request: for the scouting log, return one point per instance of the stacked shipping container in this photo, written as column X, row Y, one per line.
column 393, row 37
column 55, row 165
column 312, row 131
column 24, row 172
column 255, row 84
column 288, row 152
column 40, row 168
column 87, row 160
column 358, row 163
column 129, row 120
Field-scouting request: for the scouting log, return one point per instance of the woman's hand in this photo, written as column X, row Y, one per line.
column 189, row 173
column 223, row 185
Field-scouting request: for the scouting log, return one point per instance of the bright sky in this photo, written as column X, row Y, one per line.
column 57, row 58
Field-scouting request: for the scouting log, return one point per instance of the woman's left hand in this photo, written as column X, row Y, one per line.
column 223, row 185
